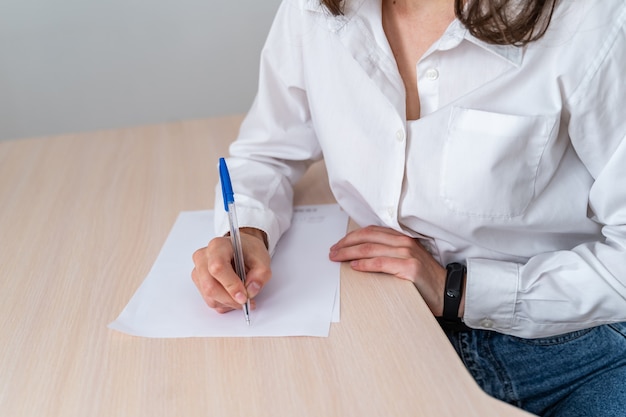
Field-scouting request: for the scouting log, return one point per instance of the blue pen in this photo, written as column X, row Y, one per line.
column 235, row 237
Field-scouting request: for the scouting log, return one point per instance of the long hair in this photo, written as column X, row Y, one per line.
column 501, row 22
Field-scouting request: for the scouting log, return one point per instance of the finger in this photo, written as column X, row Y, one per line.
column 371, row 250
column 374, row 241
column 214, row 275
column 253, row 287
column 374, row 234
column 212, row 292
column 225, row 282
column 257, row 262
column 222, row 309
column 225, row 309
column 402, row 268
column 368, row 233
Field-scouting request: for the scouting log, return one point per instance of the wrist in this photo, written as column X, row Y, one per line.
column 256, row 233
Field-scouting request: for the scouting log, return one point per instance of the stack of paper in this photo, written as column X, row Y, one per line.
column 301, row 299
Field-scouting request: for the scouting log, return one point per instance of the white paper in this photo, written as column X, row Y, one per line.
column 301, row 299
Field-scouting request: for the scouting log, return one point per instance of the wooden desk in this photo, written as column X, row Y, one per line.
column 82, row 219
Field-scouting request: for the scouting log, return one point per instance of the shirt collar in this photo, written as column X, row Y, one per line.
column 335, row 23
column 453, row 36
column 456, row 33
column 350, row 7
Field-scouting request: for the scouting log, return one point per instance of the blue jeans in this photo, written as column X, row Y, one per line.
column 582, row 373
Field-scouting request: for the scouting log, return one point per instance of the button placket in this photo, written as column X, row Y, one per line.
column 392, row 194
column 400, row 135
column 428, row 72
column 432, row 74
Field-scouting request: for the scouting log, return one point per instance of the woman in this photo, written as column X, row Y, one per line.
column 481, row 145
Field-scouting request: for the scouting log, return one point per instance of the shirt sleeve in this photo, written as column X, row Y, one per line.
column 567, row 290
column 276, row 142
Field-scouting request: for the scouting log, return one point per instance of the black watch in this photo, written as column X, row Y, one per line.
column 453, row 291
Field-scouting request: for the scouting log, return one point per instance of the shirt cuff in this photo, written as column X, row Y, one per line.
column 491, row 294
column 250, row 217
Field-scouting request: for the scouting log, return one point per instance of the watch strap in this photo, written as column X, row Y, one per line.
column 453, row 293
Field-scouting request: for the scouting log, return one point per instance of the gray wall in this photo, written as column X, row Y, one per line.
column 80, row 65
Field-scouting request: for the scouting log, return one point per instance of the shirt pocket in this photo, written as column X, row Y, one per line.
column 491, row 160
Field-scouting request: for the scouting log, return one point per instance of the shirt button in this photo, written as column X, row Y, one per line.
column 432, row 74
column 487, row 324
column 400, row 135
column 390, row 212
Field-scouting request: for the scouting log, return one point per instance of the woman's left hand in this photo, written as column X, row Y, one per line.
column 380, row 249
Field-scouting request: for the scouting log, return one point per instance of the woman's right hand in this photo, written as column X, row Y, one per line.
column 216, row 279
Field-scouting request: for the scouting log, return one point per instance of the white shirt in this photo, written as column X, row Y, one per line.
column 517, row 166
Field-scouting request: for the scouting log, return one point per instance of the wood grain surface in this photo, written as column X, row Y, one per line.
column 82, row 219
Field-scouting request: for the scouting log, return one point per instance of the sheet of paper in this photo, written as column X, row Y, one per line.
column 301, row 299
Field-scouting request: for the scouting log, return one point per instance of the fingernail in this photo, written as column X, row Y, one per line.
column 333, row 253
column 241, row 298
column 253, row 289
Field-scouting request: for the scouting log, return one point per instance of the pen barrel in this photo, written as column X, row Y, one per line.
column 235, row 238
column 240, row 267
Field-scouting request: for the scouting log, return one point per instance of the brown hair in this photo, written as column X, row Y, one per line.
column 501, row 22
